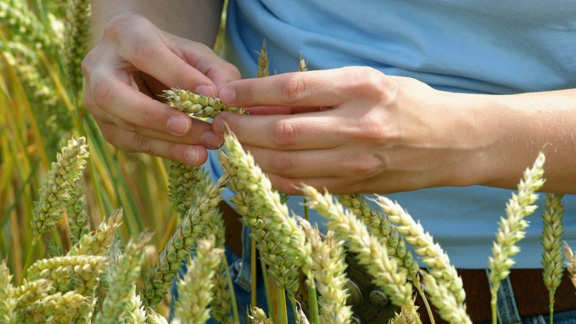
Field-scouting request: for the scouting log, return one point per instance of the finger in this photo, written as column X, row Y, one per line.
column 128, row 104
column 313, row 89
column 134, row 142
column 281, row 110
column 295, row 164
column 153, row 56
column 287, row 132
column 291, row 186
column 215, row 68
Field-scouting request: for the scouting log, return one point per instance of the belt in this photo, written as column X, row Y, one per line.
column 371, row 305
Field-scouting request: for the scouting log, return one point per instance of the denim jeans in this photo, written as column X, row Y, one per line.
column 240, row 273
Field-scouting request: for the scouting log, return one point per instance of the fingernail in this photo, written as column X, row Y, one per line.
column 227, row 95
column 205, row 90
column 191, row 156
column 178, row 125
column 212, row 140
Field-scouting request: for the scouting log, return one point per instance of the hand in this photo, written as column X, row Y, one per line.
column 353, row 130
column 127, row 70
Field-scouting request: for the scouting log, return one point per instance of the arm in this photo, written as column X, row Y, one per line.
column 378, row 133
column 191, row 19
column 133, row 60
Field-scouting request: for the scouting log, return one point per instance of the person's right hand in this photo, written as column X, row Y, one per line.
column 132, row 63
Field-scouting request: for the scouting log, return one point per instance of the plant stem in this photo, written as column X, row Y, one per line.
column 232, row 294
column 29, row 256
column 426, row 303
column 493, row 304
column 267, row 288
column 313, row 304
column 282, row 309
column 254, row 299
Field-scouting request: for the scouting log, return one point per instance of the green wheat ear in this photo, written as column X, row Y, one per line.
column 195, row 289
column 197, row 106
column 7, row 300
column 61, row 180
column 123, row 280
column 552, row 257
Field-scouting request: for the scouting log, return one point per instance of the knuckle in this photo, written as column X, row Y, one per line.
column 366, row 166
column 293, row 89
column 117, row 25
column 280, row 163
column 103, row 93
column 373, row 131
column 374, row 83
column 284, row 133
column 144, row 52
column 141, row 143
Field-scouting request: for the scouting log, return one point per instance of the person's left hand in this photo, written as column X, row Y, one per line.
column 353, row 130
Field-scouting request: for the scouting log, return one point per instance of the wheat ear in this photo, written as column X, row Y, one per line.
column 327, row 272
column 195, row 289
column 54, row 194
column 124, row 278
column 440, row 268
column 511, row 229
column 370, row 252
column 279, row 238
column 195, row 105
column 98, row 242
column 7, row 300
column 76, row 43
column 181, row 243
column 552, row 257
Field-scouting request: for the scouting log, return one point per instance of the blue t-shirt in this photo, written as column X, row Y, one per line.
column 490, row 46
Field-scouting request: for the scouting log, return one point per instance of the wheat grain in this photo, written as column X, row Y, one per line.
column 78, row 213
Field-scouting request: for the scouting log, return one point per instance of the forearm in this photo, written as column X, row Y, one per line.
column 516, row 127
column 197, row 20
